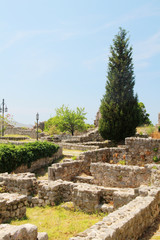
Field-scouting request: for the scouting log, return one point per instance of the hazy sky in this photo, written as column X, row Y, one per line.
column 55, row 52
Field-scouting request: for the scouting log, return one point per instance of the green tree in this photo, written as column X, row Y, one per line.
column 143, row 115
column 67, row 120
column 6, row 121
column 119, row 106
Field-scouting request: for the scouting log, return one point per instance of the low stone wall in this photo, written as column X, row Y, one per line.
column 86, row 197
column 128, row 222
column 105, row 155
column 26, row 231
column 92, row 135
column 92, row 198
column 68, row 170
column 77, row 146
column 53, row 192
column 142, row 150
column 23, row 183
column 136, row 151
column 122, row 176
column 12, row 206
column 42, row 162
column 20, row 131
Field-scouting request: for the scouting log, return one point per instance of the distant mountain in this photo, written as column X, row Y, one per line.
column 17, row 124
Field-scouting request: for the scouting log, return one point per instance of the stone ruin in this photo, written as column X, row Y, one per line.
column 121, row 181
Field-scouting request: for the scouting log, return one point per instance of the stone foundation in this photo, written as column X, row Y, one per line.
column 12, row 206
column 74, row 146
column 136, row 151
column 142, row 150
column 105, row 155
column 22, row 183
column 68, row 170
column 121, row 176
column 128, row 222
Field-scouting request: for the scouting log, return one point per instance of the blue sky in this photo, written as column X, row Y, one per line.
column 56, row 52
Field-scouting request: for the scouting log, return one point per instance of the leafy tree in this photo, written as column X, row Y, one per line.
column 5, row 122
column 143, row 115
column 119, row 106
column 67, row 120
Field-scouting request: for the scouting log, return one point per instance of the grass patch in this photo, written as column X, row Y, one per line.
column 60, row 224
column 16, row 135
column 147, row 129
column 73, row 152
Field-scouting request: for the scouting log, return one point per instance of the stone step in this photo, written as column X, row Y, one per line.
column 83, row 179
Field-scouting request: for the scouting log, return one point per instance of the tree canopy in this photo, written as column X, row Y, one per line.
column 119, row 105
column 143, row 115
column 67, row 120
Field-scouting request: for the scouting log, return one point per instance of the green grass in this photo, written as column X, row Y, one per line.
column 60, row 224
column 16, row 135
column 73, row 152
column 146, row 129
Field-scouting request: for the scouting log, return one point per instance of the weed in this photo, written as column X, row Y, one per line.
column 74, row 158
column 154, row 167
column 122, row 162
column 155, row 149
column 156, row 159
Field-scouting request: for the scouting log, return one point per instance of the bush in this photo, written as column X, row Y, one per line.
column 12, row 156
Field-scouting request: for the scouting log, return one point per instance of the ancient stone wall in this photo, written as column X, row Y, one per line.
column 86, row 197
column 142, row 150
column 122, row 176
column 25, row 231
column 113, row 155
column 136, row 151
column 86, row 145
column 20, row 131
column 23, row 183
column 12, row 206
column 128, row 222
column 68, row 170
column 77, row 146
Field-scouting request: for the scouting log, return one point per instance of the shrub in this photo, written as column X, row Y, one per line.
column 12, row 156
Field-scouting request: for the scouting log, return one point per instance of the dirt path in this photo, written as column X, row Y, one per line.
column 42, row 174
column 153, row 232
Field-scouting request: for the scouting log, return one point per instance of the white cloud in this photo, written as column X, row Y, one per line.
column 59, row 34
column 147, row 49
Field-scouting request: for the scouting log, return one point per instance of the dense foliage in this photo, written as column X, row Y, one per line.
column 119, row 106
column 67, row 120
column 13, row 156
column 143, row 115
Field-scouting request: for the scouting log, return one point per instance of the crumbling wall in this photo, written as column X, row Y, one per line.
column 142, row 150
column 105, row 155
column 128, row 222
column 68, row 170
column 25, row 231
column 12, row 206
column 122, row 176
column 22, row 183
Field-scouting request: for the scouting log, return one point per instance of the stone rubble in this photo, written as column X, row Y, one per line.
column 95, row 182
column 23, row 232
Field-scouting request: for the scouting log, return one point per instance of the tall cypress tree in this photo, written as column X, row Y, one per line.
column 119, row 106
